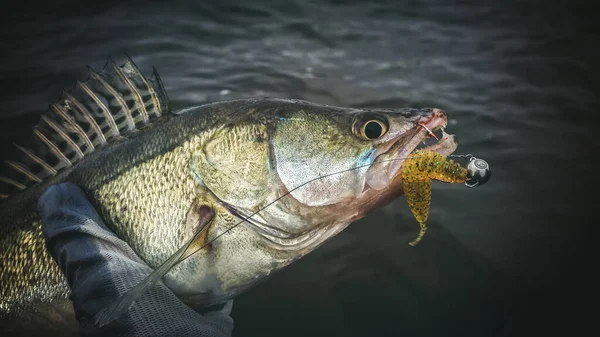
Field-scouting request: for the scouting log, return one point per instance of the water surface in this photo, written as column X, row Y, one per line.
column 517, row 81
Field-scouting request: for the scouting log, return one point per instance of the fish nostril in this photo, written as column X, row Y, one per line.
column 424, row 112
column 439, row 113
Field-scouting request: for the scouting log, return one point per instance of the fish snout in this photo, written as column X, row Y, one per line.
column 430, row 113
column 424, row 113
column 439, row 113
column 432, row 119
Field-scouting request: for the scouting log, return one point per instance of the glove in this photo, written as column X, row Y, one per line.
column 100, row 267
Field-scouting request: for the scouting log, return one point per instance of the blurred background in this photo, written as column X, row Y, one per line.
column 518, row 80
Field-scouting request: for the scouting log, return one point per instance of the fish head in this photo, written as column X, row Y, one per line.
column 339, row 165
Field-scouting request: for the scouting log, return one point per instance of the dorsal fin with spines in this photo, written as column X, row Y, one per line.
column 108, row 105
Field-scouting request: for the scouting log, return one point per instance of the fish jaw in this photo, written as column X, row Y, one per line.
column 384, row 181
column 385, row 171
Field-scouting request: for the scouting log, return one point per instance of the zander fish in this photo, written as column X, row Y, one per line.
column 291, row 173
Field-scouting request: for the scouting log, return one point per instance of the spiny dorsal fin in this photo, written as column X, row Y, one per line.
column 108, row 105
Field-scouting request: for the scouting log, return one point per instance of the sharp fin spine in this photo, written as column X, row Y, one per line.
column 87, row 115
column 96, row 76
column 63, row 135
column 37, row 159
column 13, row 183
column 136, row 95
column 63, row 114
column 22, row 169
column 105, row 111
column 52, row 147
column 155, row 99
column 163, row 98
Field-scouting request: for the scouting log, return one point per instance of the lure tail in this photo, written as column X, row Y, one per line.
column 417, row 173
column 418, row 195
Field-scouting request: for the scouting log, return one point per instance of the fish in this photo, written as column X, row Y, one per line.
column 277, row 178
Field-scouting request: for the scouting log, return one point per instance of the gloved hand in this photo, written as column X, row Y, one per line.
column 100, row 267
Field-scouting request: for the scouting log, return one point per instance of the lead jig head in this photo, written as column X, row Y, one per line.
column 478, row 172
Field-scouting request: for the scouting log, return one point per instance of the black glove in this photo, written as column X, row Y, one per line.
column 100, row 267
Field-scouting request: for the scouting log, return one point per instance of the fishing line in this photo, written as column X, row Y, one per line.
column 292, row 190
column 281, row 197
column 295, row 188
column 125, row 301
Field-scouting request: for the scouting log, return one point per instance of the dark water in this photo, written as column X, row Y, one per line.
column 518, row 81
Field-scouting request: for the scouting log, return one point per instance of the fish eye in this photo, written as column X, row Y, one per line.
column 371, row 128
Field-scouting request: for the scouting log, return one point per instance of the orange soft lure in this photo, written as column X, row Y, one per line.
column 418, row 171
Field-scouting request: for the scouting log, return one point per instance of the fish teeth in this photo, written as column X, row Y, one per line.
column 428, row 131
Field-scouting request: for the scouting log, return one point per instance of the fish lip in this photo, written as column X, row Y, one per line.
column 401, row 148
column 445, row 146
column 438, row 120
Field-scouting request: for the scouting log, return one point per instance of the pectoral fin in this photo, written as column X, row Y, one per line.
column 198, row 222
column 199, row 218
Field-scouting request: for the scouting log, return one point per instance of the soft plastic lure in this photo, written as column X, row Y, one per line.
column 418, row 171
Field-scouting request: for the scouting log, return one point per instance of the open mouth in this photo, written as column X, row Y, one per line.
column 444, row 144
column 428, row 135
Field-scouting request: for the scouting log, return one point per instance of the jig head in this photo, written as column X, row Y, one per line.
column 478, row 172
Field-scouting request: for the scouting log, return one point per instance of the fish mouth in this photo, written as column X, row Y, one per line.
column 417, row 138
